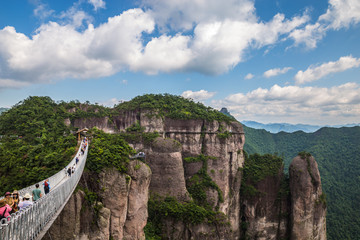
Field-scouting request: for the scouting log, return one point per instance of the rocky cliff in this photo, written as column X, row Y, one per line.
column 191, row 178
column 308, row 203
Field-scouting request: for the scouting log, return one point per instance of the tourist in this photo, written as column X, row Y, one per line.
column 26, row 201
column 36, row 193
column 69, row 171
column 5, row 209
column 15, row 196
column 46, row 186
column 9, row 200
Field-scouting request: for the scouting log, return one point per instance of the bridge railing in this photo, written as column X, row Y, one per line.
column 28, row 223
column 54, row 180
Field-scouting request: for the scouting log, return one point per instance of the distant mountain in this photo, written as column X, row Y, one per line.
column 290, row 128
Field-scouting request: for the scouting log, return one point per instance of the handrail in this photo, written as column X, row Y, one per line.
column 31, row 222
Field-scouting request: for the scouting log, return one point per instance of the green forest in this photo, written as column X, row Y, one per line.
column 337, row 152
column 35, row 143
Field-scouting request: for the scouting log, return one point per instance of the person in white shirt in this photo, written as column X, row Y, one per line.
column 26, row 201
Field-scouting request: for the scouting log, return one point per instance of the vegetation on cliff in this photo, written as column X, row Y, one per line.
column 35, row 142
column 108, row 150
column 161, row 209
column 256, row 168
column 337, row 153
column 198, row 184
column 176, row 107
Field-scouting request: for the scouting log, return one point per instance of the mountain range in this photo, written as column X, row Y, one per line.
column 290, row 128
column 286, row 127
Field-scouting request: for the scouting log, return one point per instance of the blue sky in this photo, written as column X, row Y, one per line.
column 267, row 61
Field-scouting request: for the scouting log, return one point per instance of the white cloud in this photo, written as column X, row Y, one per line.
column 9, row 83
column 75, row 17
column 249, row 76
column 124, row 81
column 185, row 14
column 276, row 71
column 60, row 51
column 199, row 95
column 42, row 11
column 295, row 104
column 219, row 46
column 340, row 14
column 97, row 4
column 111, row 102
column 314, row 73
column 164, row 54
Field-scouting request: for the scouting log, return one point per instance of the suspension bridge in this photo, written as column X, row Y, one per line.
column 32, row 222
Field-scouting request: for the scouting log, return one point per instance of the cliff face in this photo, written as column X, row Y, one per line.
column 265, row 214
column 123, row 211
column 307, row 200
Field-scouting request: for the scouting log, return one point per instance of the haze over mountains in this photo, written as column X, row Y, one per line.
column 286, row 127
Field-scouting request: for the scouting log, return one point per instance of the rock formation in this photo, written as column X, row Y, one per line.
column 265, row 216
column 122, row 211
column 121, row 214
column 308, row 205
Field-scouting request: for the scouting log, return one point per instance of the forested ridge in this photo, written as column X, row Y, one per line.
column 337, row 152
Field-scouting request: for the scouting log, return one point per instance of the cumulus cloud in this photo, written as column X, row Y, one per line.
column 249, row 76
column 316, row 72
column 340, row 14
column 218, row 38
column 60, row 51
column 97, row 4
column 199, row 95
column 74, row 48
column 276, row 71
column 295, row 104
column 219, row 46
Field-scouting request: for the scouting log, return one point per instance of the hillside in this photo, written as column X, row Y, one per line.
column 290, row 128
column 338, row 155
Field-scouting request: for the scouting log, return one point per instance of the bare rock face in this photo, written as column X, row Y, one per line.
column 137, row 213
column 307, row 200
column 165, row 161
column 115, row 191
column 102, row 123
column 122, row 214
column 265, row 215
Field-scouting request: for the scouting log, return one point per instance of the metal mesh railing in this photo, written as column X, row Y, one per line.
column 28, row 223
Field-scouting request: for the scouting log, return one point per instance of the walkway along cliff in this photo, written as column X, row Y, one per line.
column 189, row 186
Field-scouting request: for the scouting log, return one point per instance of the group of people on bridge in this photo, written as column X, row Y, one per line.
column 12, row 202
